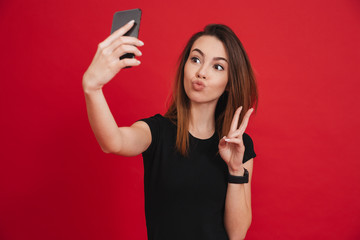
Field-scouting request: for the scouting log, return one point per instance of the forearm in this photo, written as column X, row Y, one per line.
column 101, row 120
column 237, row 218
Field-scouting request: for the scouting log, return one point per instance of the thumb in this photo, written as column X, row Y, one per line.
column 222, row 142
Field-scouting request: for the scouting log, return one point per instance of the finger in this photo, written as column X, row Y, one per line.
column 120, row 32
column 126, row 49
column 245, row 120
column 128, row 62
column 234, row 140
column 124, row 40
column 235, row 134
column 235, row 120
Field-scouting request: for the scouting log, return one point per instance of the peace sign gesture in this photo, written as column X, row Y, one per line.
column 231, row 147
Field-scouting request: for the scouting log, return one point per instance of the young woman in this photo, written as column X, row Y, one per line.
column 198, row 160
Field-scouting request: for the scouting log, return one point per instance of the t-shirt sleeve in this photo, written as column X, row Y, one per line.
column 154, row 125
column 249, row 148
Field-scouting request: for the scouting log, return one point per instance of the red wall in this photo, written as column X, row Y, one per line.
column 56, row 183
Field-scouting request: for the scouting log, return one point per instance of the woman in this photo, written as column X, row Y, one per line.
column 198, row 161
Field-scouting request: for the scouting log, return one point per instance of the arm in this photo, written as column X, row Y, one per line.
column 127, row 141
column 238, row 214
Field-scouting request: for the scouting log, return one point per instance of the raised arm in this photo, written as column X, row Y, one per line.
column 126, row 141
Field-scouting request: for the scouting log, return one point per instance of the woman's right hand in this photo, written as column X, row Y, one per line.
column 106, row 63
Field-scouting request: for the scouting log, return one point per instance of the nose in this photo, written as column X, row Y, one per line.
column 201, row 73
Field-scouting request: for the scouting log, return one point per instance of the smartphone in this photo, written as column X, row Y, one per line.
column 123, row 17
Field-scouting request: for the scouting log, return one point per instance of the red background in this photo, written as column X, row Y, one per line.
column 56, row 183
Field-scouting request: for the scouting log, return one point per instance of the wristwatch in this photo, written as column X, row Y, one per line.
column 239, row 179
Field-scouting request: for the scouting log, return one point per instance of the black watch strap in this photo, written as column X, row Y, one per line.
column 239, row 179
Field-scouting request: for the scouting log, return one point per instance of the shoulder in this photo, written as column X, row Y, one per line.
column 156, row 122
column 249, row 147
column 156, row 118
column 247, row 140
column 160, row 128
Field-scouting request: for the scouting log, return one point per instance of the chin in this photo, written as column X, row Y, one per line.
column 202, row 100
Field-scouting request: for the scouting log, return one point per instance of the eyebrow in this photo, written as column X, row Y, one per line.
column 202, row 54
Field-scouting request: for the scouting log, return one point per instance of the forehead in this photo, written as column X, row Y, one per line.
column 210, row 46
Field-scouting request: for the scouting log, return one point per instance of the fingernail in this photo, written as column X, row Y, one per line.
column 227, row 139
column 138, row 62
column 140, row 53
column 141, row 43
column 131, row 22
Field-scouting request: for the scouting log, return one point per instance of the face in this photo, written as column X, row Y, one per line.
column 206, row 70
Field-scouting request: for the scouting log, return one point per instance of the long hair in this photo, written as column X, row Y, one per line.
column 241, row 88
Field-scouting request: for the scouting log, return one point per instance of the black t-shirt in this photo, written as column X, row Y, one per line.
column 185, row 196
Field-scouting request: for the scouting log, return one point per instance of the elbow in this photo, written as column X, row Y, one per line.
column 244, row 230
column 239, row 235
column 241, row 231
column 110, row 147
column 107, row 149
column 117, row 151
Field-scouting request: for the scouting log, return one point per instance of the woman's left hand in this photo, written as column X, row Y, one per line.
column 231, row 147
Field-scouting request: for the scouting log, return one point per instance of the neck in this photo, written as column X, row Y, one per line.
column 202, row 120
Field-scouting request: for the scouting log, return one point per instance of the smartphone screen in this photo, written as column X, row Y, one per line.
column 123, row 17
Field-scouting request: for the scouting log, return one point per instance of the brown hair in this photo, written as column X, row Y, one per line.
column 241, row 89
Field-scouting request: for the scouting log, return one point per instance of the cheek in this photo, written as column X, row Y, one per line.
column 186, row 79
column 187, row 70
column 226, row 80
column 187, row 75
column 223, row 83
column 222, row 87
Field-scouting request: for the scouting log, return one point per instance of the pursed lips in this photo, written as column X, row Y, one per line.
column 198, row 85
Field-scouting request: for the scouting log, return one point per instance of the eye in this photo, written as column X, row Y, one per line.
column 195, row 60
column 218, row 67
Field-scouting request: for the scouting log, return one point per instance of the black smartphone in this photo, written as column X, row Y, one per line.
column 123, row 17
